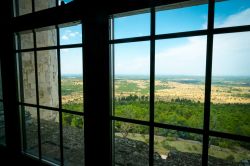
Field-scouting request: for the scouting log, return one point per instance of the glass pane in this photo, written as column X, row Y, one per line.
column 230, row 96
column 26, row 40
column 50, row 135
column 131, row 144
column 132, row 26
column 2, row 125
column 71, row 34
column 232, row 13
column 72, row 79
column 48, row 77
column 30, row 130
column 44, row 4
column 131, row 84
column 177, row 148
column 27, row 83
column 228, row 152
column 174, row 19
column 23, row 7
column 46, row 37
column 179, row 81
column 65, row 1
column 73, row 140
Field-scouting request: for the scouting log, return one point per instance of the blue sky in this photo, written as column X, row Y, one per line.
column 182, row 56
column 71, row 58
column 66, row 1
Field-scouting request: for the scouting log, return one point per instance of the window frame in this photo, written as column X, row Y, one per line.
column 209, row 32
column 93, row 27
column 38, row 106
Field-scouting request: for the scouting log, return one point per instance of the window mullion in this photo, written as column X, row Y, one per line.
column 59, row 93
column 152, row 86
column 37, row 96
column 208, row 82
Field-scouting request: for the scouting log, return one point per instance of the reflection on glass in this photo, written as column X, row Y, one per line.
column 23, row 7
column 50, row 135
column 177, row 148
column 29, row 129
column 73, row 139
column 182, row 19
column 230, row 95
column 228, row 152
column 72, row 79
column 2, row 125
column 132, row 26
column 179, row 81
column 131, row 144
column 46, row 37
column 27, row 83
column 44, row 4
column 71, row 34
column 131, row 97
column 26, row 40
column 232, row 13
column 48, row 78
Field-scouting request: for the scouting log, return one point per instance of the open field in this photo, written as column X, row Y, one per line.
column 167, row 90
column 163, row 145
column 178, row 101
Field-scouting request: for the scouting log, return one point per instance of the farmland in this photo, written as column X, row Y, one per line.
column 179, row 100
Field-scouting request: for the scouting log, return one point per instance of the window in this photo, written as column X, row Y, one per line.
column 230, row 100
column 51, row 92
column 180, row 81
column 190, row 18
column 169, row 85
column 161, row 87
column 23, row 7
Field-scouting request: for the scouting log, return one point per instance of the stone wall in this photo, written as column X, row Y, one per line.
column 46, row 63
column 25, row 6
column 128, row 152
column 44, row 4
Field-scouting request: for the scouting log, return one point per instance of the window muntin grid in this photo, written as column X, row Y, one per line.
column 209, row 32
column 42, row 56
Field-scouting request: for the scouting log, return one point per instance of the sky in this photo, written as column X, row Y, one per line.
column 71, row 58
column 66, row 1
column 180, row 56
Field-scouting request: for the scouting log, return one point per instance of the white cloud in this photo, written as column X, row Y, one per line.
column 68, row 34
column 187, row 59
column 71, row 61
column 65, row 50
column 73, row 34
column 187, row 56
column 139, row 64
column 64, row 37
column 242, row 18
column 231, row 52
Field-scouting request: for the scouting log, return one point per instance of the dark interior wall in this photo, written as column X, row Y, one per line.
column 13, row 140
column 8, row 157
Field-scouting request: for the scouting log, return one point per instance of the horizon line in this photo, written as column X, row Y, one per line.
column 77, row 74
